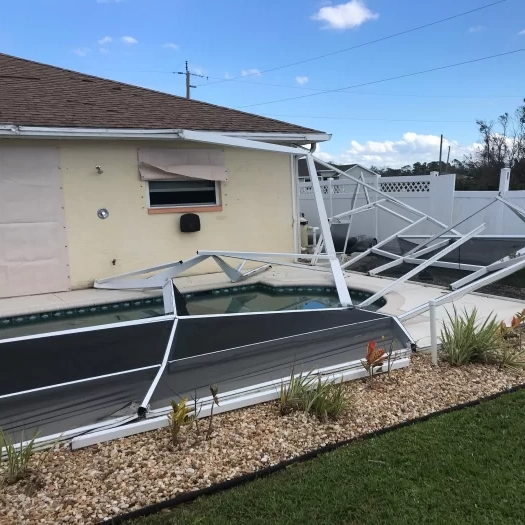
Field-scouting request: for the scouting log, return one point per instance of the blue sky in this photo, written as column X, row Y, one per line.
column 395, row 122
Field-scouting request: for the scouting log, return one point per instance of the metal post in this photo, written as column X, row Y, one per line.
column 330, row 196
column 187, row 81
column 504, row 180
column 337, row 272
column 440, row 154
column 350, row 223
column 433, row 331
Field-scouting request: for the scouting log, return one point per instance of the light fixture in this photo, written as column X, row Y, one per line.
column 99, row 170
column 103, row 213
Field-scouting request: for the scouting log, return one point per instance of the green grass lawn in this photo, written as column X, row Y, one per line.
column 467, row 467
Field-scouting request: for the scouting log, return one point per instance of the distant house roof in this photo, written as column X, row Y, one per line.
column 35, row 94
column 324, row 171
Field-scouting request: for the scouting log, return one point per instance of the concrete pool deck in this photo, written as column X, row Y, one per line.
column 404, row 298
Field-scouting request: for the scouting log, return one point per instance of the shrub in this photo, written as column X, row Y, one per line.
column 374, row 360
column 465, row 340
column 327, row 400
column 293, row 395
column 323, row 399
column 179, row 416
column 511, row 354
column 17, row 457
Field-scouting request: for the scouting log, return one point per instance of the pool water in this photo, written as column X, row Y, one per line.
column 258, row 298
column 257, row 301
column 231, row 300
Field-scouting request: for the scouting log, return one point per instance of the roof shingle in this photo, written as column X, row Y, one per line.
column 34, row 94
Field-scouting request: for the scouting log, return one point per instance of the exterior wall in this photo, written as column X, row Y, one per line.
column 257, row 209
column 256, row 216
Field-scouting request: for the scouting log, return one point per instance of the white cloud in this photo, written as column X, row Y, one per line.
column 227, row 75
column 81, row 51
column 301, row 80
column 411, row 148
column 345, row 16
column 522, row 32
column 198, row 70
column 171, row 45
column 129, row 40
column 476, row 29
column 250, row 72
column 105, row 40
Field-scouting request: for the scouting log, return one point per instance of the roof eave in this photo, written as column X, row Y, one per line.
column 166, row 134
column 157, row 134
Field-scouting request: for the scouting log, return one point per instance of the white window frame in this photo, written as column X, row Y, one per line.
column 195, row 205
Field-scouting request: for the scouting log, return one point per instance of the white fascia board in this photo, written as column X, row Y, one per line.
column 94, row 133
column 160, row 134
column 218, row 138
column 305, row 138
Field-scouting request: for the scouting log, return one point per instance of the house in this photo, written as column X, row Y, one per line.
column 356, row 170
column 96, row 174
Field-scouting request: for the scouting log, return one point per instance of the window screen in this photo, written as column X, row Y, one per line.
column 182, row 193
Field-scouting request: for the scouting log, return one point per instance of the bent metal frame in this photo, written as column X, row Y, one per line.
column 147, row 360
column 446, row 240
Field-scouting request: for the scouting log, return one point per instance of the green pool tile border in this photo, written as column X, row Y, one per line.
column 135, row 304
column 81, row 311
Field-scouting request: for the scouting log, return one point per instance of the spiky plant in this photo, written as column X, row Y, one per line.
column 17, row 456
column 465, row 339
column 179, row 416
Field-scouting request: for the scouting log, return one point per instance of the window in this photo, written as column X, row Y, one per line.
column 183, row 193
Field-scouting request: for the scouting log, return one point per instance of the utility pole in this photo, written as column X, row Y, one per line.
column 188, row 79
column 440, row 154
column 448, row 158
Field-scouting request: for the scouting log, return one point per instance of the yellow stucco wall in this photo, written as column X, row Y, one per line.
column 257, row 210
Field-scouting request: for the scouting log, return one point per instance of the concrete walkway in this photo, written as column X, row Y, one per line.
column 404, row 298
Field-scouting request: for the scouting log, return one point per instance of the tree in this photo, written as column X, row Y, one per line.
column 503, row 144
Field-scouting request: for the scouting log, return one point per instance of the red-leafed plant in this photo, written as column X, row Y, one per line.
column 374, row 360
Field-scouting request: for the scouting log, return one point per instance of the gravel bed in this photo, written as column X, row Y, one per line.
column 89, row 485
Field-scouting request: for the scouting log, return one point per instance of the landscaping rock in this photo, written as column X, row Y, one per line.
column 88, row 485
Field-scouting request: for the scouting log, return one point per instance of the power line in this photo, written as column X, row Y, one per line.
column 382, row 39
column 256, row 83
column 406, row 75
column 369, row 93
column 365, row 119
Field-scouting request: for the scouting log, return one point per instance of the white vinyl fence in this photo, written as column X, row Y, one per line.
column 432, row 194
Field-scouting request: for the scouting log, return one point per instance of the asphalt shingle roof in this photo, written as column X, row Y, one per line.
column 35, row 94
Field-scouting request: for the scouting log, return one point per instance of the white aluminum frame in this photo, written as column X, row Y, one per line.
column 471, row 287
column 422, row 266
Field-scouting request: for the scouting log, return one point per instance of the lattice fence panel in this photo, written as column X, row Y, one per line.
column 418, row 186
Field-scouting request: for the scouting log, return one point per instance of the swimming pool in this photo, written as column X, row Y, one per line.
column 264, row 298
column 229, row 300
